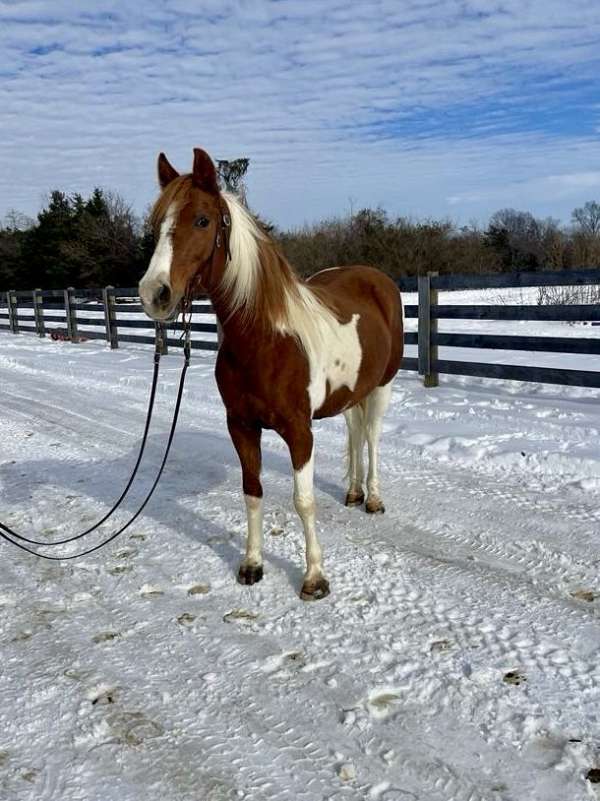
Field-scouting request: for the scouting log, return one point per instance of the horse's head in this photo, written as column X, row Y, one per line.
column 191, row 226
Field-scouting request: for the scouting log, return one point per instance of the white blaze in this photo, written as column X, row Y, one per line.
column 159, row 271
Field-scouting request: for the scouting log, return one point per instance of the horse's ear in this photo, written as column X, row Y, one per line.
column 204, row 174
column 166, row 173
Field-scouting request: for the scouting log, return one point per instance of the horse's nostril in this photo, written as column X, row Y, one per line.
column 163, row 295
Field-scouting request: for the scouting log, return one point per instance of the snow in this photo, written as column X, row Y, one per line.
column 457, row 657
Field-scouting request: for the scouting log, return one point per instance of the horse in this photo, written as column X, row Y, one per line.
column 291, row 351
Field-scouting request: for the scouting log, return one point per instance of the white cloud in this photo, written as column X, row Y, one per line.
column 304, row 88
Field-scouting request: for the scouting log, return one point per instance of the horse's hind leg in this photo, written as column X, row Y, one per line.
column 356, row 444
column 375, row 407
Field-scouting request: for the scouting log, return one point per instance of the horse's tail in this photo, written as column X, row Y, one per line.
column 356, row 421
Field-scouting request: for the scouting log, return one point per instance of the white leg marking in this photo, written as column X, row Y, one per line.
column 254, row 512
column 304, row 501
column 356, row 443
column 376, row 406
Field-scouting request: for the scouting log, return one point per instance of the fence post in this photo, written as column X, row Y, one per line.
column 38, row 314
column 160, row 338
column 428, row 349
column 110, row 317
column 13, row 311
column 71, row 314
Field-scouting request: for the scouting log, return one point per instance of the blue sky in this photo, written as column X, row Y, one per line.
column 432, row 108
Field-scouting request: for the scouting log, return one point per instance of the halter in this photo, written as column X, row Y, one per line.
column 221, row 240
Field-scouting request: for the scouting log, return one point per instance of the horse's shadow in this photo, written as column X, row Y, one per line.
column 199, row 462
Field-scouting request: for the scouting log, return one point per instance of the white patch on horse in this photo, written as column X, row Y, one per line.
column 332, row 348
column 159, row 270
column 335, row 363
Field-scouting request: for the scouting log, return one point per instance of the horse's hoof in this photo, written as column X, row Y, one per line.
column 355, row 498
column 315, row 590
column 374, row 505
column 250, row 574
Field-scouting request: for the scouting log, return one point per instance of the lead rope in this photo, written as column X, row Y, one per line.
column 5, row 531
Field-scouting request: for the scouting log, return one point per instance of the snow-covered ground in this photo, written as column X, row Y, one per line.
column 458, row 656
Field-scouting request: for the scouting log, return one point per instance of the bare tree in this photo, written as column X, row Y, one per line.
column 587, row 218
column 16, row 221
column 232, row 175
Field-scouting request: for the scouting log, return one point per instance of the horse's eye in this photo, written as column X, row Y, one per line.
column 201, row 222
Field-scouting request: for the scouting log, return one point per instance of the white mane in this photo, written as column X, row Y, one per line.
column 306, row 317
column 240, row 278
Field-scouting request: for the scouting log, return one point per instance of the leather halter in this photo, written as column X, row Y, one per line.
column 221, row 241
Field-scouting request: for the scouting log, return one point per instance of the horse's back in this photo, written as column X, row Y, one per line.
column 372, row 295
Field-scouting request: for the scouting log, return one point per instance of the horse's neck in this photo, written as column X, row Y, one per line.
column 275, row 279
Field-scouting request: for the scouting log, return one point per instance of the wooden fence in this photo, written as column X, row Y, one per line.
column 429, row 311
column 79, row 313
column 121, row 318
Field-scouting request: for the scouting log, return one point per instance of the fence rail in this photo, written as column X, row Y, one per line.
column 118, row 316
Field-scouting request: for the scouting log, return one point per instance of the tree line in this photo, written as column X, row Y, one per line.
column 99, row 241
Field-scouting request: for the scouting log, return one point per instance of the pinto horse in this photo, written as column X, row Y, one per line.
column 292, row 350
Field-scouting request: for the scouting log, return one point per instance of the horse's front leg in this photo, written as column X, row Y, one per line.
column 300, row 442
column 246, row 440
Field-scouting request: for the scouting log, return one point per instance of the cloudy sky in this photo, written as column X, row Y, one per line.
column 428, row 107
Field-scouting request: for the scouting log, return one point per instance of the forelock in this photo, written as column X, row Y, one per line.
column 173, row 197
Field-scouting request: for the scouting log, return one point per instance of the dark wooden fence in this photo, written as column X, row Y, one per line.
column 429, row 311
column 119, row 317
column 113, row 314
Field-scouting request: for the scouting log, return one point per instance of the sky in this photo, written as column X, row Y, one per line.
column 429, row 108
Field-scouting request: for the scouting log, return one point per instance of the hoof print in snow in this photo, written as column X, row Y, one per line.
column 593, row 775
column 347, row 772
column 583, row 595
column 106, row 636
column 250, row 574
column 382, row 704
column 296, row 657
column 22, row 636
column 103, row 696
column 276, row 531
column 514, row 677
column 198, row 589
column 148, row 591
column 119, row 569
column 240, row 616
column 315, row 590
column 284, row 665
column 186, row 619
column 439, row 646
column 29, row 775
column 133, row 728
column 125, row 553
